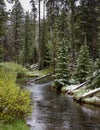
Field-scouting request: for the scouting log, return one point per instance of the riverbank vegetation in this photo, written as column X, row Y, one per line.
column 15, row 103
column 22, row 73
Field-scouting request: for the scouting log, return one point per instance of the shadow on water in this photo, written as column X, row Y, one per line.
column 56, row 111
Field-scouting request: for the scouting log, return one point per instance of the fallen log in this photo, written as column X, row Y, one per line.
column 43, row 76
column 38, row 78
column 89, row 94
column 79, row 86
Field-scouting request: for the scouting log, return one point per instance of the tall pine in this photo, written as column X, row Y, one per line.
column 17, row 20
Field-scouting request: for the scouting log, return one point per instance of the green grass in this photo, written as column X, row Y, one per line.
column 18, row 69
column 18, row 125
column 78, row 93
column 43, row 72
column 22, row 74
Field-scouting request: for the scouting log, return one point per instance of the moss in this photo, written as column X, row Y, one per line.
column 64, row 89
column 78, row 93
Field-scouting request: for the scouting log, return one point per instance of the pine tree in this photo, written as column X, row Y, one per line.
column 87, row 19
column 29, row 47
column 83, row 67
column 72, row 7
column 44, row 40
column 33, row 17
column 17, row 20
column 3, row 18
column 63, row 68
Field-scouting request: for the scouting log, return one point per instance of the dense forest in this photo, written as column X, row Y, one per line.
column 31, row 37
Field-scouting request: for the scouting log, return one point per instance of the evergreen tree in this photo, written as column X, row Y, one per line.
column 3, row 18
column 29, row 48
column 87, row 20
column 44, row 40
column 83, row 67
column 72, row 7
column 62, row 62
column 17, row 20
column 63, row 68
column 33, row 17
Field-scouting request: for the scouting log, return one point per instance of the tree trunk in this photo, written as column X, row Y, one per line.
column 40, row 56
column 72, row 33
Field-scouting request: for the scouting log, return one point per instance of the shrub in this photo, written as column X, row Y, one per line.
column 14, row 102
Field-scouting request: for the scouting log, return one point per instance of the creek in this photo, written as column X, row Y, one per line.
column 56, row 111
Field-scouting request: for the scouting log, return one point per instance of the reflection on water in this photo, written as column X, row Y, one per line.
column 55, row 111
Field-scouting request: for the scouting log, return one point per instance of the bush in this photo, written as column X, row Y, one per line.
column 14, row 102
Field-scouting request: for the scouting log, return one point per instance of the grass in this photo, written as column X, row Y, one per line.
column 22, row 73
column 18, row 69
column 43, row 72
column 18, row 125
column 78, row 93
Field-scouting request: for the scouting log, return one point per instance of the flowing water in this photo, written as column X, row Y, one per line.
column 56, row 111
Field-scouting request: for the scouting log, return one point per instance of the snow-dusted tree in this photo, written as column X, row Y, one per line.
column 63, row 69
column 83, row 67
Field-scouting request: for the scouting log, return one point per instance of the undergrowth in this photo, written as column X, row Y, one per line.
column 14, row 101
